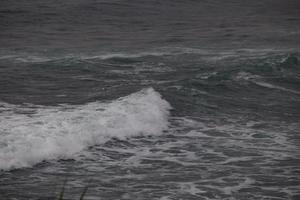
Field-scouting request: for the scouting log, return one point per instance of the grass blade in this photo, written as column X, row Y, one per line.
column 62, row 192
column 83, row 193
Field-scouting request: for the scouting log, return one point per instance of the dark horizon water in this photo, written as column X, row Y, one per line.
column 150, row 99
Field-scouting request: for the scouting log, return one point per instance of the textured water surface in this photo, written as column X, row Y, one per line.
column 150, row 99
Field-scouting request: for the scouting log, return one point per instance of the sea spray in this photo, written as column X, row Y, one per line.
column 61, row 132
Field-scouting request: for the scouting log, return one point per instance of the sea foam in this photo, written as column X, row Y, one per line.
column 48, row 133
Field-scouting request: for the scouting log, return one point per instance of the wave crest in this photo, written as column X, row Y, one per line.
column 61, row 132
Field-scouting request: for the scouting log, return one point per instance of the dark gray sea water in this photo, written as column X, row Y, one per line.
column 158, row 100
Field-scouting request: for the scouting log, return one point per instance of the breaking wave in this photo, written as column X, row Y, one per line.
column 35, row 134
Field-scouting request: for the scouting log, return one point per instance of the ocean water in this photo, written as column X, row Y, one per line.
column 158, row 100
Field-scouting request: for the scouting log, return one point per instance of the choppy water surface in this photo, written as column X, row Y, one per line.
column 200, row 102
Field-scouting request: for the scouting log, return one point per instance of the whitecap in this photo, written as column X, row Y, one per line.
column 61, row 132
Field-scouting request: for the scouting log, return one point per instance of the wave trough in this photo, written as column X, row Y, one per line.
column 61, row 132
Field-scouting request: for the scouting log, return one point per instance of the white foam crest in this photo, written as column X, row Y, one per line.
column 61, row 132
column 268, row 85
column 246, row 76
column 191, row 188
column 126, row 55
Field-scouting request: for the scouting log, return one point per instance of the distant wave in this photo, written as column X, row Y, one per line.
column 210, row 54
column 258, row 80
column 45, row 133
column 271, row 86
